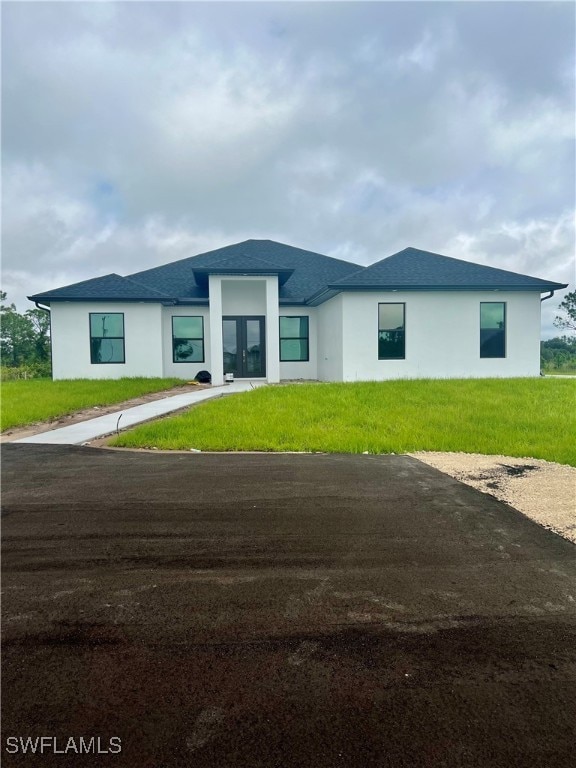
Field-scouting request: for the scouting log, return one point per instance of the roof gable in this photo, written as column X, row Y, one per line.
column 416, row 269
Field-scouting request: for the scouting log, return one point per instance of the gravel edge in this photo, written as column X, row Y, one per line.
column 542, row 490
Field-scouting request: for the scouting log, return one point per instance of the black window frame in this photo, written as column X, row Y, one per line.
column 123, row 337
column 191, row 338
column 294, row 338
column 504, row 332
column 399, row 303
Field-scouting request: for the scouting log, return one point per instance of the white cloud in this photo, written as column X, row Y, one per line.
column 542, row 248
column 136, row 134
column 424, row 55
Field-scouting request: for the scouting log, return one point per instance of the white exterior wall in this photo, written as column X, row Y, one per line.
column 272, row 331
column 302, row 369
column 184, row 370
column 442, row 335
column 330, row 339
column 215, row 329
column 70, row 333
column 243, row 296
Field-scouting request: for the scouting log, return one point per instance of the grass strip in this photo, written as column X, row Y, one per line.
column 32, row 400
column 515, row 417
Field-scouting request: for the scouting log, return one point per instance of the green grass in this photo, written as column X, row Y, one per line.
column 28, row 401
column 515, row 417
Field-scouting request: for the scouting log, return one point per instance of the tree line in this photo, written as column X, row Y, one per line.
column 25, row 341
column 559, row 354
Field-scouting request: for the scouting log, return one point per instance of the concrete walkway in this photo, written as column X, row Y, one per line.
column 83, row 431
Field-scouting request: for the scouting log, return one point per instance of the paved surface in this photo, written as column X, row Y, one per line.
column 83, row 431
column 278, row 611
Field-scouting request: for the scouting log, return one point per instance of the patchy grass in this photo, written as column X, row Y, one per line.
column 567, row 372
column 515, row 417
column 29, row 401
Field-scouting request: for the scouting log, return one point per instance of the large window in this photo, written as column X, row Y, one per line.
column 294, row 339
column 107, row 337
column 492, row 329
column 391, row 332
column 188, row 339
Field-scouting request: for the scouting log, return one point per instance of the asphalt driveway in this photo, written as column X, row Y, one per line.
column 279, row 610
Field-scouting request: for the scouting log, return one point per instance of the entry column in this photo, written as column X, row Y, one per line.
column 272, row 331
column 216, row 359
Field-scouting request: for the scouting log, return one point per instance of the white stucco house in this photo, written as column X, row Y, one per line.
column 261, row 309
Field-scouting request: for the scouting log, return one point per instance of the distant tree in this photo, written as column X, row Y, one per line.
column 24, row 339
column 568, row 306
column 40, row 321
column 558, row 353
column 16, row 335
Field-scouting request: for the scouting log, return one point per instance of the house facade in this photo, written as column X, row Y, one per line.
column 261, row 309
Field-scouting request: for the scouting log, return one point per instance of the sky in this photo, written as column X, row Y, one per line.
column 138, row 133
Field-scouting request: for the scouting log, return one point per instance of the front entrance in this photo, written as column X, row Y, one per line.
column 244, row 346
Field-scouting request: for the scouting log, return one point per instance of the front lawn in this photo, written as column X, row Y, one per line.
column 28, row 401
column 515, row 417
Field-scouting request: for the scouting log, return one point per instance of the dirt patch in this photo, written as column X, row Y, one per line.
column 542, row 490
column 18, row 433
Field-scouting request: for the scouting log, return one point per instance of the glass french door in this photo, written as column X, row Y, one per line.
column 244, row 346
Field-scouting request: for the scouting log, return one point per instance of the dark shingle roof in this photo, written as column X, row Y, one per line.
column 311, row 271
column 241, row 261
column 304, row 276
column 111, row 287
column 416, row 269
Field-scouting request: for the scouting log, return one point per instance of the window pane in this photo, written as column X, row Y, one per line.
column 253, row 361
column 230, row 344
column 107, row 350
column 294, row 327
column 187, row 327
column 391, row 345
column 293, row 349
column 390, row 317
column 492, row 315
column 391, row 336
column 492, row 329
column 253, row 335
column 106, row 325
column 186, row 351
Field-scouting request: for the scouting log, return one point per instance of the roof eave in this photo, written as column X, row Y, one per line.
column 324, row 294
column 399, row 287
column 286, row 302
column 201, row 274
column 47, row 298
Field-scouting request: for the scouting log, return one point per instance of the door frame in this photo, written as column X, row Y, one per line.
column 241, row 344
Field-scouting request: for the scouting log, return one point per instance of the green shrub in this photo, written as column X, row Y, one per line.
column 29, row 371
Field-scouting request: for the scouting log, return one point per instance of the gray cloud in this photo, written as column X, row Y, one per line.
column 138, row 133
